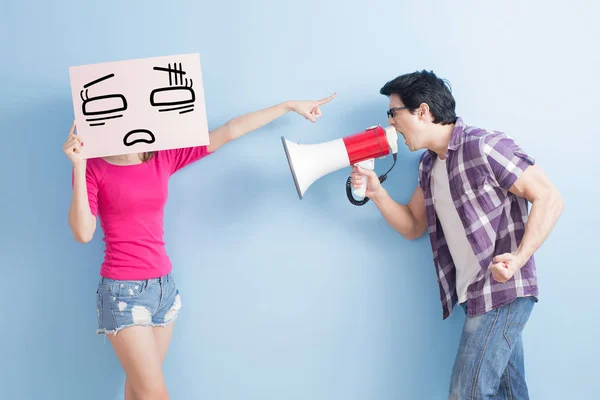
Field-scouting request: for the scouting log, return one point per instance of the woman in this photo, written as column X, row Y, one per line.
column 137, row 299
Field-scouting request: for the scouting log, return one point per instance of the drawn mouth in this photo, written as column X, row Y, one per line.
column 138, row 136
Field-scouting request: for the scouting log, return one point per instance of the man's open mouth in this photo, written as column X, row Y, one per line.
column 138, row 136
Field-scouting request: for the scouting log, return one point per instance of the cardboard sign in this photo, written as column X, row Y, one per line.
column 139, row 105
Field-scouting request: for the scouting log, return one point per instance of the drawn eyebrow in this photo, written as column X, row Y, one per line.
column 171, row 70
column 87, row 85
column 177, row 72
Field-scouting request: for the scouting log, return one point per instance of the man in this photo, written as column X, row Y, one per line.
column 473, row 194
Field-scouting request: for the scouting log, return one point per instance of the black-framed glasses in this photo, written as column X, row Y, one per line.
column 391, row 113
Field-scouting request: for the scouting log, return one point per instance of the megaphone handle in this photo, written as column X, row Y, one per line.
column 365, row 200
column 366, row 164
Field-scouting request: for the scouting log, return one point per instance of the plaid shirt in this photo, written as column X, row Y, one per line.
column 482, row 166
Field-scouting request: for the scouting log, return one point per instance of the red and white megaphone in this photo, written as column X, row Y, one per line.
column 309, row 162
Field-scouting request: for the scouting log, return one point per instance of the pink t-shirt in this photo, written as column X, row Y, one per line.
column 130, row 202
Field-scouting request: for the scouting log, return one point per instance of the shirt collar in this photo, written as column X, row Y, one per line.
column 456, row 138
column 457, row 134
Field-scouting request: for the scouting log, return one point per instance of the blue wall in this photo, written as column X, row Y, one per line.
column 286, row 298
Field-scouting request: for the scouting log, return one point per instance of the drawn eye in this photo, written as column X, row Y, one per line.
column 172, row 96
column 104, row 104
column 179, row 95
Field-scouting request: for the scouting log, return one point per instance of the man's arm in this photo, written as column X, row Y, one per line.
column 516, row 171
column 547, row 206
column 409, row 220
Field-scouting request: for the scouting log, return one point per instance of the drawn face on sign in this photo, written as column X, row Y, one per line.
column 139, row 105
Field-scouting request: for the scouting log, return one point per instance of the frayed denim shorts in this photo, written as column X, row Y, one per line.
column 125, row 303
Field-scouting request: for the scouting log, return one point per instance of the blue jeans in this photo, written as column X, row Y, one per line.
column 489, row 363
column 149, row 302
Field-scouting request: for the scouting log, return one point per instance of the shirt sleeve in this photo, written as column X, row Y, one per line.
column 92, row 188
column 179, row 158
column 507, row 161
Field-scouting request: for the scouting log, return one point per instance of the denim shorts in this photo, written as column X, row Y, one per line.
column 125, row 303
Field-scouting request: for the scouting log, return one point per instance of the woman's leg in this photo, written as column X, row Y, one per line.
column 162, row 335
column 137, row 350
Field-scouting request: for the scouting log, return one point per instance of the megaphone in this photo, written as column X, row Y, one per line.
column 309, row 162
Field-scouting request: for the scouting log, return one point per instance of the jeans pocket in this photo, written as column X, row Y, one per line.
column 130, row 289
column 517, row 316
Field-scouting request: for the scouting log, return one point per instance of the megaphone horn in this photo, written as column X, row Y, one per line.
column 309, row 162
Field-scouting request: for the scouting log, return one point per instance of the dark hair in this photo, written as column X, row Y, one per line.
column 424, row 87
column 147, row 156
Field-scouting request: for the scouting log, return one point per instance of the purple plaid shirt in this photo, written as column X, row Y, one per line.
column 482, row 166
